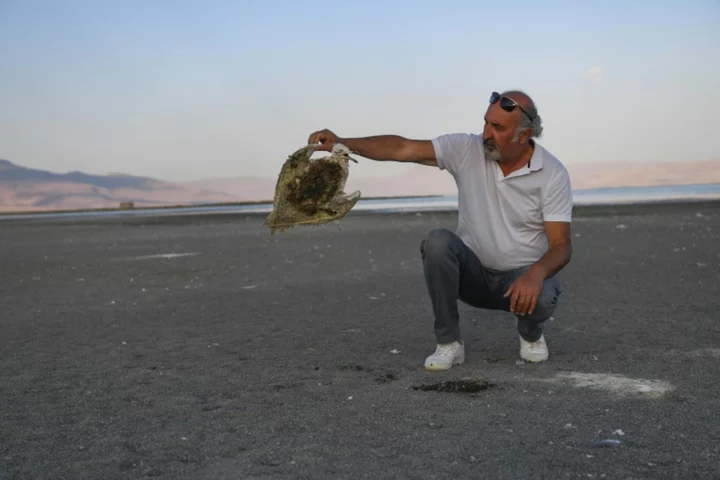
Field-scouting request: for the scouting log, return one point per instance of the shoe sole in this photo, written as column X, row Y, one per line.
column 534, row 360
column 456, row 363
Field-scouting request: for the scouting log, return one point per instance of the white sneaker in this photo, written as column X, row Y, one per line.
column 446, row 355
column 534, row 351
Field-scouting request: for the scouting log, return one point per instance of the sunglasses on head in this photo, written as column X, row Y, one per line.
column 507, row 103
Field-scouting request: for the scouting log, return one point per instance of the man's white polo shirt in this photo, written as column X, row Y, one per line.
column 501, row 218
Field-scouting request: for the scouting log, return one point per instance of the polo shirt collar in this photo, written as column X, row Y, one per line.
column 535, row 164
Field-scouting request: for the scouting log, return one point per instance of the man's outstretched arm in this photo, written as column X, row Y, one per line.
column 380, row 147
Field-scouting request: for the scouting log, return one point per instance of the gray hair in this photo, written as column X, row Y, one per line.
column 535, row 125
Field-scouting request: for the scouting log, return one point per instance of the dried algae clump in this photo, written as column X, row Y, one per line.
column 465, row 385
column 310, row 191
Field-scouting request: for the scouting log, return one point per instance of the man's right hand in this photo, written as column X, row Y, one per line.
column 326, row 138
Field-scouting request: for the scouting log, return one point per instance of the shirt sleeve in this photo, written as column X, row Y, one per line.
column 451, row 150
column 558, row 202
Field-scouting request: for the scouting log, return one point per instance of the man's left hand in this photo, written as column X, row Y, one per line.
column 525, row 291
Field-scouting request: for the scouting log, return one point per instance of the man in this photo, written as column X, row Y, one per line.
column 513, row 231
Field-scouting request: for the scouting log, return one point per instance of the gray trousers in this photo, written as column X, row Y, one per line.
column 453, row 272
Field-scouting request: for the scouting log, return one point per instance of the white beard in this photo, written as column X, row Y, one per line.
column 492, row 154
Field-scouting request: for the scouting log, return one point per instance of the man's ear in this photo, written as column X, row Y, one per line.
column 526, row 135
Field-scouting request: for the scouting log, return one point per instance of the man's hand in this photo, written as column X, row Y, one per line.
column 326, row 138
column 525, row 291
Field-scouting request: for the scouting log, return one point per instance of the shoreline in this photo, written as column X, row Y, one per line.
column 580, row 203
column 650, row 207
column 247, row 203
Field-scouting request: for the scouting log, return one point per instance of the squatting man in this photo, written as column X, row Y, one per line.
column 513, row 230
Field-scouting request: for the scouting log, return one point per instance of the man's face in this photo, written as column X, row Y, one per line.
column 500, row 128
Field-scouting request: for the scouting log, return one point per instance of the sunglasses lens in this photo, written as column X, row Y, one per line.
column 507, row 104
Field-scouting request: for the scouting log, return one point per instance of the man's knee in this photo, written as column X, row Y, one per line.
column 547, row 301
column 437, row 243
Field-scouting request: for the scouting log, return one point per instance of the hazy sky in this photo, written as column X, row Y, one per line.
column 180, row 89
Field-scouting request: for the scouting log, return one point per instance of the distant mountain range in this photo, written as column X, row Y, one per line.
column 27, row 189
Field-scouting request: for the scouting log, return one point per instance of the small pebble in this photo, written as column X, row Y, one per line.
column 608, row 442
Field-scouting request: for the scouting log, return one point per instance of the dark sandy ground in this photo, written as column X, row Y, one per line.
column 295, row 356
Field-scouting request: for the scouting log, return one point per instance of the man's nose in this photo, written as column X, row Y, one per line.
column 487, row 135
